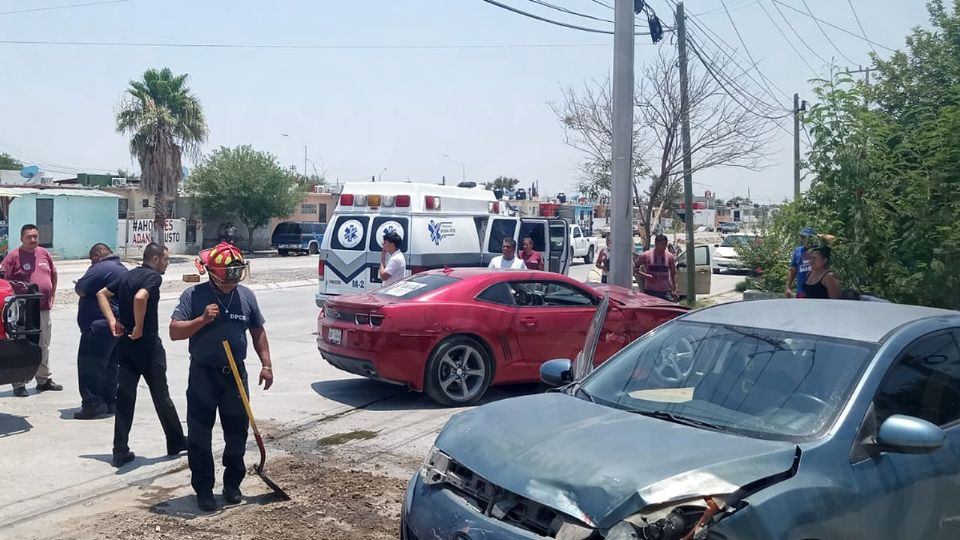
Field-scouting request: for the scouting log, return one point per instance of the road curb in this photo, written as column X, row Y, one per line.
column 256, row 287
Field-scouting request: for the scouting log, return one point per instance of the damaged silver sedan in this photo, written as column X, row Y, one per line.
column 779, row 419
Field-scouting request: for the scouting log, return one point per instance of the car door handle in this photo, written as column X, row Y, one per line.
column 528, row 321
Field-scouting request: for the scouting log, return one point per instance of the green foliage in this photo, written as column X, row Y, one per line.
column 502, row 182
column 245, row 184
column 886, row 161
column 10, row 163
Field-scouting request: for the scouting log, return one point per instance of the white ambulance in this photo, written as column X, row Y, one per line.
column 441, row 226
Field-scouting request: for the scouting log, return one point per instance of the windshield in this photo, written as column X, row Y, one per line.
column 760, row 383
column 287, row 227
column 735, row 240
column 415, row 286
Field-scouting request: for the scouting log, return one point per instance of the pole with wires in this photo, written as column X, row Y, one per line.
column 687, row 158
column 796, row 147
column 621, row 265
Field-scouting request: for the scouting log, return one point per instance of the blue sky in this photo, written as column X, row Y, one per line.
column 360, row 110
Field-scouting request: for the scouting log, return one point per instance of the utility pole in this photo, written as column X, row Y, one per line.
column 687, row 158
column 305, row 161
column 621, row 230
column 798, row 107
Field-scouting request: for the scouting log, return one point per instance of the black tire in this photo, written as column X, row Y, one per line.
column 716, row 270
column 588, row 258
column 446, row 384
column 313, row 249
column 283, row 252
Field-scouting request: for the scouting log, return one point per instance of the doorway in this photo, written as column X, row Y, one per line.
column 45, row 222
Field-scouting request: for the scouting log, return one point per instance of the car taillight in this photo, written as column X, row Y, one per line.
column 377, row 320
column 320, row 266
column 362, row 318
column 403, row 201
column 346, row 199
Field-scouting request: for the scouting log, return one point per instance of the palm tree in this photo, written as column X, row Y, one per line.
column 165, row 121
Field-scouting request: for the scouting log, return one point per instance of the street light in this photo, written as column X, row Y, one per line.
column 380, row 176
column 463, row 167
column 304, row 155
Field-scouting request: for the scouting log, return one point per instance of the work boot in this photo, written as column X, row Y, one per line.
column 206, row 502
column 232, row 495
column 119, row 460
column 49, row 385
column 91, row 413
column 21, row 391
column 176, row 450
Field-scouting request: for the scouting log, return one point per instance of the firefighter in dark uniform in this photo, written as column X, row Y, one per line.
column 207, row 314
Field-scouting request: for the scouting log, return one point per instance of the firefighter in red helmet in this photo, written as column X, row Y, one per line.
column 208, row 313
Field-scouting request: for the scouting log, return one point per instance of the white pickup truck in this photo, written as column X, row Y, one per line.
column 582, row 245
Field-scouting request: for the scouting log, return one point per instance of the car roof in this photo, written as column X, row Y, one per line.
column 843, row 319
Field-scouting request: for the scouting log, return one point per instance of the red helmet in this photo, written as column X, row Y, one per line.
column 224, row 262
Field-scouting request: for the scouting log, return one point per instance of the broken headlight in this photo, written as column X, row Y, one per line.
column 675, row 523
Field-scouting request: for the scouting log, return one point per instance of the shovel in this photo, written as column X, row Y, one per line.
column 260, row 468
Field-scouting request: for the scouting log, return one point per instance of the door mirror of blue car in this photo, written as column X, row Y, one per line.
column 909, row 435
column 556, row 372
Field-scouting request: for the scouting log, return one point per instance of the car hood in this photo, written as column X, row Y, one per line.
column 599, row 464
column 633, row 299
column 726, row 252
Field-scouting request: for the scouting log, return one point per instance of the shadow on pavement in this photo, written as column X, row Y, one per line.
column 137, row 462
column 377, row 396
column 11, row 424
column 185, row 506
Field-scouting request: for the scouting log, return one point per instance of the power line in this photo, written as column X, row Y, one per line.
column 604, row 4
column 803, row 41
column 825, row 34
column 295, row 46
column 569, row 11
column 551, row 21
column 68, row 6
column 831, row 25
column 860, row 24
column 746, row 49
column 785, row 38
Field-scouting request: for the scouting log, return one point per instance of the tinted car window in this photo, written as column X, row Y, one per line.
column 924, row 382
column 415, row 286
column 549, row 294
column 500, row 229
column 498, row 293
column 287, row 227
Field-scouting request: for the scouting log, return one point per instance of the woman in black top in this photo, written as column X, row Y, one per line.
column 821, row 282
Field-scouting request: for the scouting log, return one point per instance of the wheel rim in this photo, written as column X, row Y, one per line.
column 461, row 372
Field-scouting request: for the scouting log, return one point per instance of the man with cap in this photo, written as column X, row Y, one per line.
column 208, row 314
column 799, row 264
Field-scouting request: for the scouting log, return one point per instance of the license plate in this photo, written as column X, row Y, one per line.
column 334, row 335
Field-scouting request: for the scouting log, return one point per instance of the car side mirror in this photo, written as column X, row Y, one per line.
column 908, row 435
column 716, row 245
column 556, row 373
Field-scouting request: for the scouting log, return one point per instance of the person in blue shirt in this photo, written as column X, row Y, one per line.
column 800, row 264
column 208, row 314
column 98, row 365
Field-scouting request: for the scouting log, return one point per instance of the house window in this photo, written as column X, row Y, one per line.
column 191, row 232
column 145, row 203
column 122, row 206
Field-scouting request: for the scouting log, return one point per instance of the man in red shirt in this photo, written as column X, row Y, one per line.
column 32, row 264
column 658, row 267
column 531, row 259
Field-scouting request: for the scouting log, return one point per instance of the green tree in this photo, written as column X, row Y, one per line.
column 505, row 183
column 245, row 184
column 165, row 121
column 10, row 163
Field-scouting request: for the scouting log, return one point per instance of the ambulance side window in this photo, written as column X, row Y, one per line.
column 500, row 229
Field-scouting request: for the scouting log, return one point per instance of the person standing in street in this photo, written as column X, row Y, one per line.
column 800, row 263
column 141, row 351
column 531, row 259
column 208, row 314
column 658, row 268
column 508, row 260
column 603, row 260
column 97, row 361
column 392, row 263
column 33, row 264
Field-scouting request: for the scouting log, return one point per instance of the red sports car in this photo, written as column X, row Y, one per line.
column 452, row 333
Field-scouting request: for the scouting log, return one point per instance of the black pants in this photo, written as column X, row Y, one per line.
column 98, row 367
column 212, row 389
column 145, row 358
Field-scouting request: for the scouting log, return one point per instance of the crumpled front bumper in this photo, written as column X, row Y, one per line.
column 434, row 513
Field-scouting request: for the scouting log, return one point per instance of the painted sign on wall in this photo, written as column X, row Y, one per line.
column 140, row 233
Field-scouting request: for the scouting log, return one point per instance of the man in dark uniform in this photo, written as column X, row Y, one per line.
column 97, row 358
column 207, row 314
column 141, row 351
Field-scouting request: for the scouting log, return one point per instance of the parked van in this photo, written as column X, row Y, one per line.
column 298, row 237
column 440, row 226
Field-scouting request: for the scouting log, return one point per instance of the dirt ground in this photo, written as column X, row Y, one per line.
column 330, row 499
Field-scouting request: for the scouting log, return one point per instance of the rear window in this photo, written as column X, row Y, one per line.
column 287, row 227
column 415, row 286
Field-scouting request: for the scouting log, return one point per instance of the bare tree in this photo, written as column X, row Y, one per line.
column 722, row 132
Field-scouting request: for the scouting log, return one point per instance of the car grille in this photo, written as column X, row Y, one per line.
column 491, row 500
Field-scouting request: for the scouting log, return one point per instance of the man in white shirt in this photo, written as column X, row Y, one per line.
column 509, row 259
column 392, row 263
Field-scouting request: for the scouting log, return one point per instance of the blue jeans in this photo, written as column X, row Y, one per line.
column 98, row 366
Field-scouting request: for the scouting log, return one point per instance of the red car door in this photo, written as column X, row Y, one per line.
column 552, row 320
